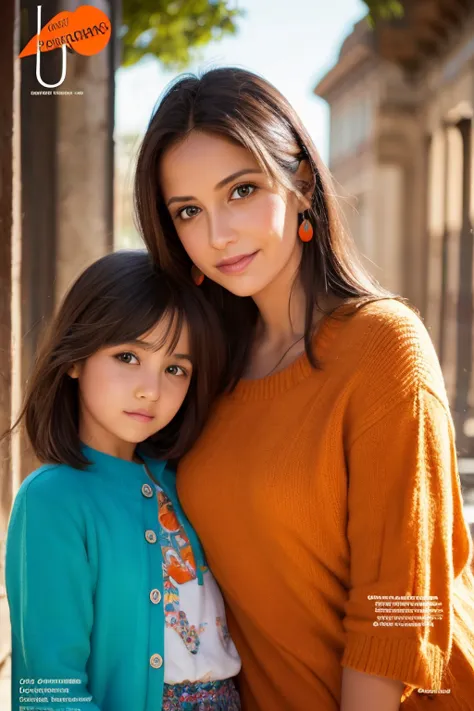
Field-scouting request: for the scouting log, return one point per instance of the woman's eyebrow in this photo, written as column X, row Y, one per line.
column 221, row 184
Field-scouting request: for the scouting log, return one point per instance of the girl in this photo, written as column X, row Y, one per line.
column 324, row 487
column 112, row 605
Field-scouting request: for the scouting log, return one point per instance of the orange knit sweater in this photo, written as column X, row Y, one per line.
column 313, row 490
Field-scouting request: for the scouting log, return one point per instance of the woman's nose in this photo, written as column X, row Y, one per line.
column 221, row 232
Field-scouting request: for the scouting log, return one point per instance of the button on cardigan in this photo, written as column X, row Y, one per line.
column 85, row 585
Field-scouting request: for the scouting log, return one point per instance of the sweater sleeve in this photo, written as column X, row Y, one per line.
column 408, row 538
column 50, row 594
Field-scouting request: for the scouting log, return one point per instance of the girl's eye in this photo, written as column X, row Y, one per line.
column 126, row 357
column 242, row 190
column 183, row 214
column 176, row 370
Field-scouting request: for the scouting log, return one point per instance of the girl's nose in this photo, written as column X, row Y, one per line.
column 149, row 389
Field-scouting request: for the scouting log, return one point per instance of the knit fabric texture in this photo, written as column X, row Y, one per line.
column 321, row 495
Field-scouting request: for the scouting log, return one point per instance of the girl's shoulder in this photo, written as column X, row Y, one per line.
column 52, row 484
column 50, row 506
column 50, row 474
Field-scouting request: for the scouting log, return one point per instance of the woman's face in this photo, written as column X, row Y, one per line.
column 237, row 228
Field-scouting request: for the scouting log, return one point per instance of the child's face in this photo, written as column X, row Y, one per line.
column 129, row 392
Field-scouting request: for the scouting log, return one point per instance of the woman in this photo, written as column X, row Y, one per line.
column 324, row 487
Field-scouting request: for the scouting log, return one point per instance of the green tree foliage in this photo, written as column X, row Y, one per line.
column 173, row 30
column 383, row 9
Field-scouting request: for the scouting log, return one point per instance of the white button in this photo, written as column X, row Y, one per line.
column 147, row 491
column 155, row 596
column 150, row 536
column 156, row 661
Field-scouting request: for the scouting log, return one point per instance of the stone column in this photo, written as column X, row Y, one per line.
column 470, row 423
column 38, row 190
column 10, row 235
column 465, row 310
column 67, row 164
column 390, row 210
column 436, row 221
column 84, row 161
column 451, row 252
column 7, row 69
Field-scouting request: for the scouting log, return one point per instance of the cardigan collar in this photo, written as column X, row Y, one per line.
column 121, row 469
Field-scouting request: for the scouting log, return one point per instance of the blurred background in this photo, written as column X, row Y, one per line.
column 385, row 88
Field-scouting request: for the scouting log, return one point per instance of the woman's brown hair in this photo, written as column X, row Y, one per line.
column 246, row 109
column 116, row 300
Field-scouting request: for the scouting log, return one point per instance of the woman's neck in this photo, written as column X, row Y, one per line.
column 279, row 337
column 281, row 307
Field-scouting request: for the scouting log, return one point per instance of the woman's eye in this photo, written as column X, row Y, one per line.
column 186, row 212
column 245, row 190
column 176, row 370
column 126, row 357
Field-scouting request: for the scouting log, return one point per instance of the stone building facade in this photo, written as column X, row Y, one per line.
column 401, row 152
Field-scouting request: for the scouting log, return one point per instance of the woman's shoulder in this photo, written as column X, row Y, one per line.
column 388, row 327
column 389, row 316
column 395, row 350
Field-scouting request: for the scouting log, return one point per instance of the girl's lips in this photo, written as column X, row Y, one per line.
column 238, row 266
column 139, row 417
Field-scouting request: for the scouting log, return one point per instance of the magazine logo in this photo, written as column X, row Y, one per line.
column 86, row 31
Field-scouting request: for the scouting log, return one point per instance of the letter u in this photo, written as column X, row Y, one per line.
column 38, row 58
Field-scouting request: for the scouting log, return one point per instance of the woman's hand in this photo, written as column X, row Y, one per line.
column 366, row 692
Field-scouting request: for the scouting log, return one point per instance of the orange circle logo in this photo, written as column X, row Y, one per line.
column 87, row 31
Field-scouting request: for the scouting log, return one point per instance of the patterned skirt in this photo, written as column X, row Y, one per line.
column 201, row 696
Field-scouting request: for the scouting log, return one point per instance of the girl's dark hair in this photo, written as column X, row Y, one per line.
column 246, row 109
column 116, row 300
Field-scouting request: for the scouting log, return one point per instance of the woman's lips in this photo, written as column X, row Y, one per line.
column 237, row 266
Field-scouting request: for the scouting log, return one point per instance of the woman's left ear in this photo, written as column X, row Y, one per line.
column 304, row 182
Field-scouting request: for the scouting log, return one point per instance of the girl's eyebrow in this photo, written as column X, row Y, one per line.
column 182, row 356
column 146, row 345
column 149, row 346
column 229, row 179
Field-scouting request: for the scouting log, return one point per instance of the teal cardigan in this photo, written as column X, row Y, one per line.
column 83, row 567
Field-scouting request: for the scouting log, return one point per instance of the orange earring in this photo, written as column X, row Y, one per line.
column 305, row 230
column 197, row 275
